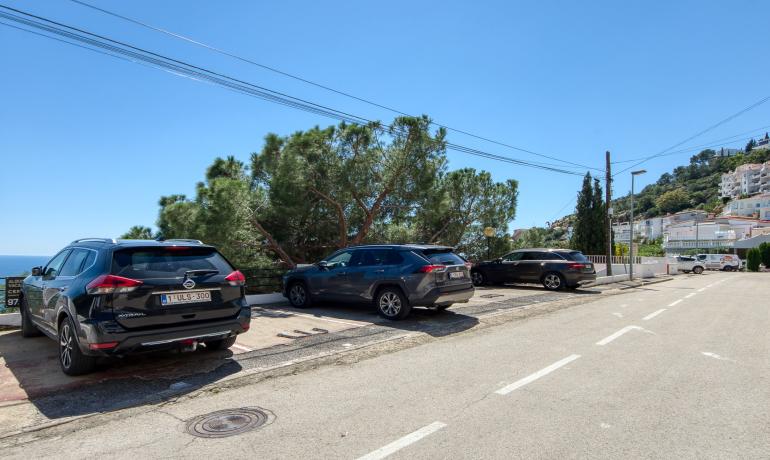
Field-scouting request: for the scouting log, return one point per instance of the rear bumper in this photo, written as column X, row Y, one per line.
column 130, row 341
column 577, row 278
column 439, row 296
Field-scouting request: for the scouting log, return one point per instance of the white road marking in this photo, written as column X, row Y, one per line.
column 327, row 319
column 532, row 377
column 702, row 289
column 242, row 347
column 614, row 336
column 674, row 303
column 619, row 315
column 399, row 444
column 716, row 356
column 689, row 295
column 653, row 314
column 623, row 305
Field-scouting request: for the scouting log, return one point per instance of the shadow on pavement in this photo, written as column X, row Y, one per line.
column 31, row 371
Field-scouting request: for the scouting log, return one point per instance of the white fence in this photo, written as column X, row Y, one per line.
column 616, row 260
column 644, row 267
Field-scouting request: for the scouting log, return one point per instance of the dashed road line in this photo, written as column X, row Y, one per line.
column 614, row 336
column 674, row 303
column 400, row 443
column 653, row 314
column 532, row 377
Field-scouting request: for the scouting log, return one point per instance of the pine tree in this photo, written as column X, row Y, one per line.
column 584, row 218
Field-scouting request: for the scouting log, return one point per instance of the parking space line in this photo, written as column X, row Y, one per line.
column 400, row 443
column 614, row 336
column 653, row 314
column 242, row 347
column 304, row 315
column 532, row 377
column 702, row 289
column 674, row 303
column 689, row 295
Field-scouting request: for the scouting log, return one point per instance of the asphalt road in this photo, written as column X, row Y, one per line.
column 674, row 370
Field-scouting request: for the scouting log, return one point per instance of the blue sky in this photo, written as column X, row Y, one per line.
column 89, row 143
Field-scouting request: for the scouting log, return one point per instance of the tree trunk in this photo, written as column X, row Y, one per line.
column 273, row 244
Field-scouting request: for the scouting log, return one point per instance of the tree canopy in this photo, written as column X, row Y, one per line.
column 309, row 193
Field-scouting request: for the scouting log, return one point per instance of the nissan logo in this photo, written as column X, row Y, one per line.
column 188, row 283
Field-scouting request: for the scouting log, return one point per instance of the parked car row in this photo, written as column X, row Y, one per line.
column 102, row 297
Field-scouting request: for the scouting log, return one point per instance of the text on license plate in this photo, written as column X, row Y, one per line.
column 455, row 275
column 185, row 297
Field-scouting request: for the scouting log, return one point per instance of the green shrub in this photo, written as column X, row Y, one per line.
column 764, row 253
column 752, row 259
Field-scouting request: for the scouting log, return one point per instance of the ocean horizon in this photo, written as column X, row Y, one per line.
column 20, row 265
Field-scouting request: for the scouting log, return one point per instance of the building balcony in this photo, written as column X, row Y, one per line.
column 699, row 244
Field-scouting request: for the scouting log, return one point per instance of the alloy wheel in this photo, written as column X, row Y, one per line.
column 477, row 278
column 66, row 345
column 552, row 281
column 297, row 295
column 390, row 304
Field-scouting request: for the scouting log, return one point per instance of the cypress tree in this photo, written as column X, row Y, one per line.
column 581, row 232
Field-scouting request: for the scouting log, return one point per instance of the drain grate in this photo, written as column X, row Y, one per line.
column 224, row 423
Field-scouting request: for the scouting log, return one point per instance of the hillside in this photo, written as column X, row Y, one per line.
column 695, row 186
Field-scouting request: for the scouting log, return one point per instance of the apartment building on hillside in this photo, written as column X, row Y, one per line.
column 748, row 179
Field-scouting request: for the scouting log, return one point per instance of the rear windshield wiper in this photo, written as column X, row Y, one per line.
column 202, row 272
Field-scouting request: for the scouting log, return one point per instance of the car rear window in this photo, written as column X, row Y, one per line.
column 443, row 258
column 575, row 256
column 162, row 262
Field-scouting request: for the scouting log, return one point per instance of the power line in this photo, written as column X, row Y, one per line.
column 699, row 133
column 316, row 84
column 713, row 143
column 181, row 68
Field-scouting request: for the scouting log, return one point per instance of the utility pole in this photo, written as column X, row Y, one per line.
column 607, row 214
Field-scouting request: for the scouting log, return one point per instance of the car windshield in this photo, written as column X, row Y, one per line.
column 163, row 262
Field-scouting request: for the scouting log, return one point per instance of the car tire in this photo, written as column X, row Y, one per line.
column 391, row 303
column 478, row 278
column 553, row 281
column 697, row 270
column 299, row 297
column 28, row 328
column 222, row 344
column 71, row 359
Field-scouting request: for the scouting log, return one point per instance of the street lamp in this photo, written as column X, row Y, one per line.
column 489, row 232
column 631, row 241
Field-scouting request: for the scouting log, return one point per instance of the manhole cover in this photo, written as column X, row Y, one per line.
column 225, row 423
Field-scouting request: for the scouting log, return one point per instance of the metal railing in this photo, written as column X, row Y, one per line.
column 263, row 280
column 616, row 260
column 699, row 244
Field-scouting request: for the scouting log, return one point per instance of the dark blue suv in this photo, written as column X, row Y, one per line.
column 102, row 297
column 392, row 277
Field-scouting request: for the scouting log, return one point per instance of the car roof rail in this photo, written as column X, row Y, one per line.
column 183, row 240
column 101, row 240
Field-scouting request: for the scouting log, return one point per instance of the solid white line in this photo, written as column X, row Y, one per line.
column 399, row 444
column 614, row 336
column 532, row 377
column 674, row 303
column 653, row 314
column 702, row 289
column 689, row 295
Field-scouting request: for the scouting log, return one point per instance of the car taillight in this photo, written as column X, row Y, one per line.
column 468, row 265
column 236, row 278
column 112, row 284
column 577, row 266
column 431, row 268
column 102, row 346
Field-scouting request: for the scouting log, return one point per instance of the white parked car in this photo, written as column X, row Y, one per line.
column 688, row 264
column 726, row 262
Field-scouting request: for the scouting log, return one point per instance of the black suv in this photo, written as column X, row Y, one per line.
column 394, row 277
column 554, row 268
column 102, row 297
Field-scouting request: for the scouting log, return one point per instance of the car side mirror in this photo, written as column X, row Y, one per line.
column 323, row 265
column 37, row 271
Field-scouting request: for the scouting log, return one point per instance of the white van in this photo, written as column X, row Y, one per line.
column 726, row 262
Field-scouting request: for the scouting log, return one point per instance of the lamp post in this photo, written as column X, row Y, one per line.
column 489, row 232
column 631, row 241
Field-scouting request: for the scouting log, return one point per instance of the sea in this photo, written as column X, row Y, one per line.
column 19, row 265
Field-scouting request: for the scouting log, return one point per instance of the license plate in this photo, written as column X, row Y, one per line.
column 456, row 275
column 185, row 297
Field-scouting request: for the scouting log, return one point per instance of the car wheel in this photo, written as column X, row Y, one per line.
column 392, row 304
column 553, row 281
column 28, row 328
column 697, row 270
column 299, row 297
column 223, row 344
column 478, row 278
column 71, row 359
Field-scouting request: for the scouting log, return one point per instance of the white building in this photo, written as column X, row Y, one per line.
column 763, row 143
column 745, row 180
column 727, row 152
column 757, row 206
